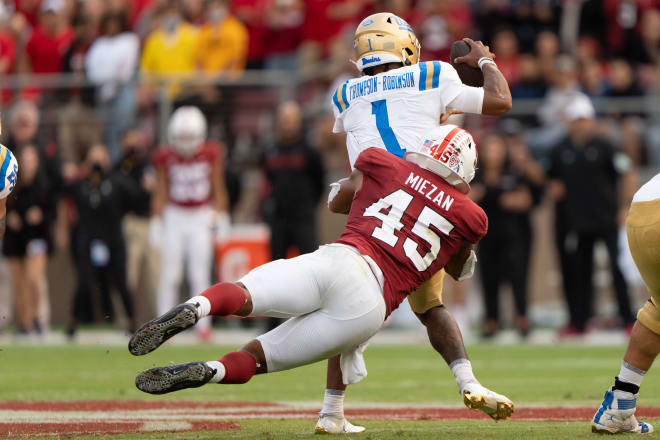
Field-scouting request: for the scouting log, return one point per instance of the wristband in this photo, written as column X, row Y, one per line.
column 485, row 60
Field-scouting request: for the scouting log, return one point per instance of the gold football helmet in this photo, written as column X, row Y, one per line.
column 385, row 38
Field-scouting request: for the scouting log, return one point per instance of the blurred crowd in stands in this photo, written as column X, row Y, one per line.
column 123, row 65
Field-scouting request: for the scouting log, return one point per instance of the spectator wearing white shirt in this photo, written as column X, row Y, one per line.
column 111, row 64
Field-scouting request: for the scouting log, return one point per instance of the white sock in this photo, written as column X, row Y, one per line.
column 219, row 371
column 203, row 305
column 462, row 371
column 333, row 403
column 631, row 374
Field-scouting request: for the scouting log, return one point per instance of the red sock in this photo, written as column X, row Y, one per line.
column 225, row 298
column 239, row 367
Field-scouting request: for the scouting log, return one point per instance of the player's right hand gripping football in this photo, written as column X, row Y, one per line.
column 477, row 51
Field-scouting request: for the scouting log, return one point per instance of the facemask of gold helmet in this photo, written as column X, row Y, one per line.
column 385, row 38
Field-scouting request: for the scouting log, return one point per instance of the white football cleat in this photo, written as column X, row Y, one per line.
column 617, row 415
column 478, row 397
column 328, row 424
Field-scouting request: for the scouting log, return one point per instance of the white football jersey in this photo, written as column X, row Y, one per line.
column 394, row 110
column 8, row 171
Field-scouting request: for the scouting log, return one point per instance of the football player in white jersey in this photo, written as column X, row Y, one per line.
column 617, row 412
column 191, row 199
column 392, row 106
column 8, row 177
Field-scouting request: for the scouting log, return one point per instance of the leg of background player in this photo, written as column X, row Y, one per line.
column 199, row 258
column 620, row 286
column 617, row 412
column 171, row 259
column 643, row 347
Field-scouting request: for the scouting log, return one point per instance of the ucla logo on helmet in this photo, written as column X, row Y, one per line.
column 367, row 22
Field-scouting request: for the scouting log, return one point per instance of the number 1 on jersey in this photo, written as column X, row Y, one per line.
column 379, row 108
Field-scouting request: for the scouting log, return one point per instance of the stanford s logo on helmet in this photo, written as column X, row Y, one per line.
column 385, row 38
column 450, row 152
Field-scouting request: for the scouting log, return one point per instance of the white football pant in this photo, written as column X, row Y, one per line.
column 332, row 296
column 187, row 239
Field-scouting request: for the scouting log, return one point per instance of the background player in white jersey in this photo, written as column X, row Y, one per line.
column 392, row 106
column 8, row 177
column 617, row 412
column 190, row 207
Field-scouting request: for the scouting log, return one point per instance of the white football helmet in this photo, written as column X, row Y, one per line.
column 450, row 152
column 8, row 171
column 186, row 130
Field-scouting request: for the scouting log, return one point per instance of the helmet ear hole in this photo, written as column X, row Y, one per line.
column 408, row 51
column 389, row 20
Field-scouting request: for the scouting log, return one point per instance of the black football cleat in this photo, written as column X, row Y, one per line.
column 163, row 380
column 152, row 334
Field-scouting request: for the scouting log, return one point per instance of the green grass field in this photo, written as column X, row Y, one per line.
column 398, row 375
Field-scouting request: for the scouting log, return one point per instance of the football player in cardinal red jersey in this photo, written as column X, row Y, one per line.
column 189, row 207
column 408, row 219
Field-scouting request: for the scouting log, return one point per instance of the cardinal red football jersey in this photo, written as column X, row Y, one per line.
column 409, row 220
column 189, row 178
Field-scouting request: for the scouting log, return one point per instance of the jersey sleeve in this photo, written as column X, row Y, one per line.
column 212, row 150
column 476, row 223
column 160, row 156
column 457, row 95
column 339, row 106
column 373, row 159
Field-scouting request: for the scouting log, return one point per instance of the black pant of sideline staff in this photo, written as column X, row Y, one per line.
column 501, row 260
column 285, row 234
column 585, row 260
column 566, row 243
column 112, row 274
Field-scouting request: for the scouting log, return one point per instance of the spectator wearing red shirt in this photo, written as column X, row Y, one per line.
column 49, row 42
column 505, row 45
column 7, row 50
column 443, row 23
column 327, row 19
column 284, row 34
column 252, row 13
column 29, row 9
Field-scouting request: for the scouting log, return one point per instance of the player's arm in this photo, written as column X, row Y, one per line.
column 342, row 192
column 220, row 195
column 159, row 198
column 461, row 265
column 497, row 96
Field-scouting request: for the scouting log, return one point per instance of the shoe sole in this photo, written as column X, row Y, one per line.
column 152, row 334
column 164, row 380
column 319, row 430
column 605, row 431
column 601, row 431
column 502, row 411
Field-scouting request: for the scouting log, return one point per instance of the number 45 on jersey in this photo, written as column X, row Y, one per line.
column 397, row 203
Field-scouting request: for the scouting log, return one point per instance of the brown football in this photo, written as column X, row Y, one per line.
column 472, row 76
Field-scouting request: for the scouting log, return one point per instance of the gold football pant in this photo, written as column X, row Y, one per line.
column 429, row 294
column 643, row 230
